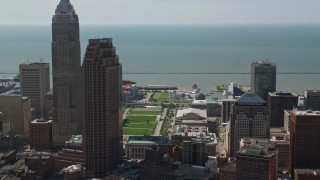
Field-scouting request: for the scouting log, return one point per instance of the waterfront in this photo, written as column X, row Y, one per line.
column 185, row 49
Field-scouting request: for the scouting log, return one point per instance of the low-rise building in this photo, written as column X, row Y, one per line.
column 16, row 115
column 136, row 146
column 72, row 154
column 257, row 159
column 41, row 134
column 307, row 174
column 72, row 172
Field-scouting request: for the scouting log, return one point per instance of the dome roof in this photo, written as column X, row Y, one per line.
column 200, row 96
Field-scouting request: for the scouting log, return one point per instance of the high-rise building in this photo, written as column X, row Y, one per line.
column 312, row 100
column 277, row 103
column 226, row 109
column 263, row 78
column 67, row 114
column 249, row 119
column 304, row 140
column 257, row 159
column 35, row 83
column 103, row 120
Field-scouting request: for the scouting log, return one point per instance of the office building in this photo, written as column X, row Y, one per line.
column 103, row 120
column 67, row 113
column 257, row 159
column 16, row 115
column 40, row 134
column 263, row 78
column 249, row 119
column 304, row 140
column 137, row 145
column 35, row 83
column 282, row 144
column 277, row 103
column 226, row 109
column 312, row 100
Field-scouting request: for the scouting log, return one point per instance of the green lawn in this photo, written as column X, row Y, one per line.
column 161, row 96
column 139, row 124
column 146, row 112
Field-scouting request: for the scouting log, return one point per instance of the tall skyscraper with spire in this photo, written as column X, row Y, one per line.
column 103, row 120
column 66, row 64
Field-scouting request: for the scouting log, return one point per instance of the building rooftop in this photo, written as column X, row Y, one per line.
column 199, row 112
column 282, row 93
column 305, row 113
column 256, row 147
column 71, row 169
column 41, row 121
column 314, row 172
column 75, row 141
column 65, row 8
column 250, row 99
column 147, row 140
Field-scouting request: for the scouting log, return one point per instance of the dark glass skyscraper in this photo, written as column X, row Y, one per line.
column 263, row 78
column 66, row 73
column 103, row 120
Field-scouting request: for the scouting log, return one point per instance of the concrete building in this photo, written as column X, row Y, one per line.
column 229, row 172
column 287, row 117
column 66, row 75
column 226, row 109
column 136, row 146
column 188, row 171
column 16, row 115
column 249, row 119
column 263, row 78
column 197, row 150
column 212, row 107
column 72, row 172
column 307, row 174
column 41, row 134
column 304, row 140
column 312, row 100
column 35, row 83
column 257, row 159
column 49, row 105
column 103, row 120
column 282, row 145
column 183, row 132
column 71, row 154
column 277, row 103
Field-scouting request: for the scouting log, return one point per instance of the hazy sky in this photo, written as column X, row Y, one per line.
column 166, row 11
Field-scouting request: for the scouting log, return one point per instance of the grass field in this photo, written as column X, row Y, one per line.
column 161, row 96
column 140, row 122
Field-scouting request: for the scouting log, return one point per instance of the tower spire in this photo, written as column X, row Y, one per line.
column 65, row 8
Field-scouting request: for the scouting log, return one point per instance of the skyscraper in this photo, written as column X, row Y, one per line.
column 277, row 103
column 263, row 78
column 35, row 83
column 103, row 120
column 66, row 74
column 304, row 140
column 249, row 119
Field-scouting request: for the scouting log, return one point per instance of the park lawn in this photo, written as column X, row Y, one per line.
column 130, row 131
column 146, row 112
column 141, row 125
column 138, row 119
column 161, row 97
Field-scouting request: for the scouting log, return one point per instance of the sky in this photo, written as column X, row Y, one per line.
column 167, row 11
